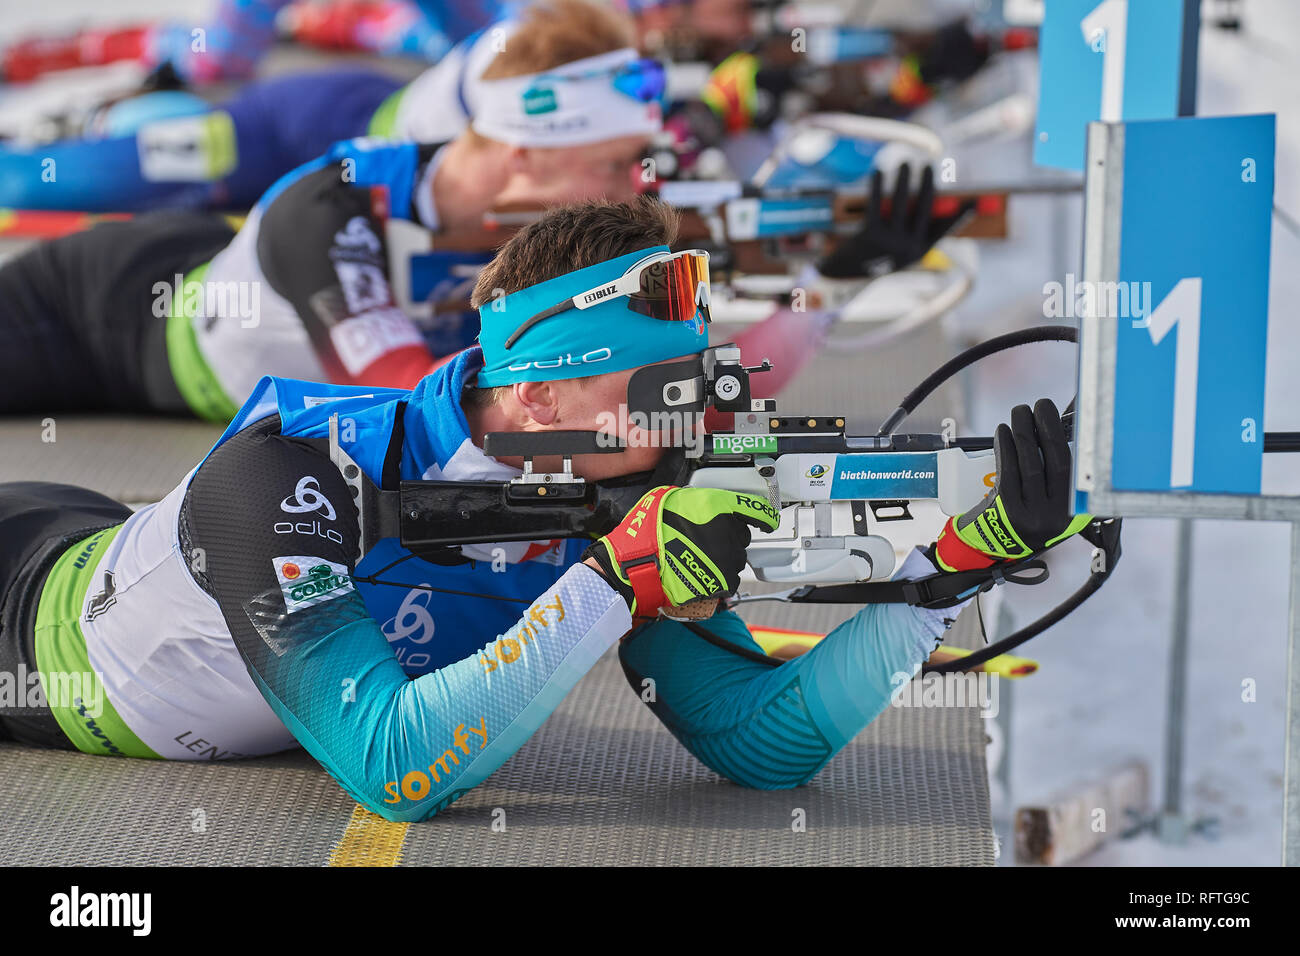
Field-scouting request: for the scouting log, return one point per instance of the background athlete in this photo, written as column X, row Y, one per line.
column 97, row 320
column 170, row 313
column 239, row 614
column 169, row 148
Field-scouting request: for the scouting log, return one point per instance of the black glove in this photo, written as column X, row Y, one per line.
column 1029, row 507
column 881, row 245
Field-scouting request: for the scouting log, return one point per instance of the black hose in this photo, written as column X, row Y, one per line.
column 1089, row 588
column 999, row 343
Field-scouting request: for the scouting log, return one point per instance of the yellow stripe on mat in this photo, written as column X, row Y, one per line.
column 369, row 840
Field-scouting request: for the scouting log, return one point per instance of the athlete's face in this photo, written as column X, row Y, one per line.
column 574, row 173
column 600, row 405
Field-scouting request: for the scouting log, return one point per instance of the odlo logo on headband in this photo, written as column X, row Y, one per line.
column 595, row 355
column 539, row 100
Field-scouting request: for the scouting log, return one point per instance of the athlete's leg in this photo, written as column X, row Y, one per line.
column 44, row 363
column 766, row 724
column 81, row 319
column 101, row 175
column 38, row 522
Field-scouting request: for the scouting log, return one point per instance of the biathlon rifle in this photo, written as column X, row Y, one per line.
column 747, row 230
column 809, row 57
column 843, row 500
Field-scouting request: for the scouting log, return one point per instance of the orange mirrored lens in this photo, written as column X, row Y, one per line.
column 674, row 289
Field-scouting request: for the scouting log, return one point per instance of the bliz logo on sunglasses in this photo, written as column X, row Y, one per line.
column 596, row 355
column 600, row 293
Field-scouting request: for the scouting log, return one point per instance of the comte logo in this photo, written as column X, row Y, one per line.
column 306, row 580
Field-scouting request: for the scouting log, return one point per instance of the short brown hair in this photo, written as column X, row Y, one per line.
column 565, row 240
column 552, row 33
column 574, row 237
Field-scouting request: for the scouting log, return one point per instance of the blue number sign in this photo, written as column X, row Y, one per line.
column 1184, row 299
column 1111, row 60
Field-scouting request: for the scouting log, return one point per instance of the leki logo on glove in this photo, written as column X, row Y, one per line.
column 642, row 512
column 307, row 497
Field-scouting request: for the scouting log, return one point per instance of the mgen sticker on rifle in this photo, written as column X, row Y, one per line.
column 744, row 444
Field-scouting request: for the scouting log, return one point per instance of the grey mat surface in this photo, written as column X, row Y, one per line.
column 131, row 459
column 602, row 783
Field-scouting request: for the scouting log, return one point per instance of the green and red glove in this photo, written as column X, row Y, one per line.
column 1028, row 508
column 679, row 545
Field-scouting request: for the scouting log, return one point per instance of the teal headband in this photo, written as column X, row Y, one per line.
column 607, row 337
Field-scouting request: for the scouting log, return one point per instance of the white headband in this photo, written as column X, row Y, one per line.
column 571, row 105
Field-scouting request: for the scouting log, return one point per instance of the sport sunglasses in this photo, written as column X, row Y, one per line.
column 670, row 286
column 645, row 80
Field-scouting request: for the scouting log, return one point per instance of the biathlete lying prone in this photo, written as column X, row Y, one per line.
column 240, row 610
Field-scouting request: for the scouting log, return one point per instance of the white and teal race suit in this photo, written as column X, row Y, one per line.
column 234, row 617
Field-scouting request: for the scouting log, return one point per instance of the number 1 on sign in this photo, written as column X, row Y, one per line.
column 1109, row 20
column 1181, row 308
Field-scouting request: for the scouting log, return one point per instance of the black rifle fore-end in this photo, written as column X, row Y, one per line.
column 437, row 515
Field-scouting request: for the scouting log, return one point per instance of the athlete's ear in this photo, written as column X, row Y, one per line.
column 539, row 401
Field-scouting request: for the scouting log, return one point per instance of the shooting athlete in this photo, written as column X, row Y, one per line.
column 238, row 615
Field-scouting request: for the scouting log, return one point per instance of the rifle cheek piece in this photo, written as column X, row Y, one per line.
column 675, row 388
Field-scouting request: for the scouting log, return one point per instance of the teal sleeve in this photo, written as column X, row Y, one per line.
column 769, row 726
column 405, row 748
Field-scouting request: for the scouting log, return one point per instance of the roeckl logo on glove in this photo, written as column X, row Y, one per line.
column 705, row 584
column 307, row 497
column 757, row 504
column 995, row 526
